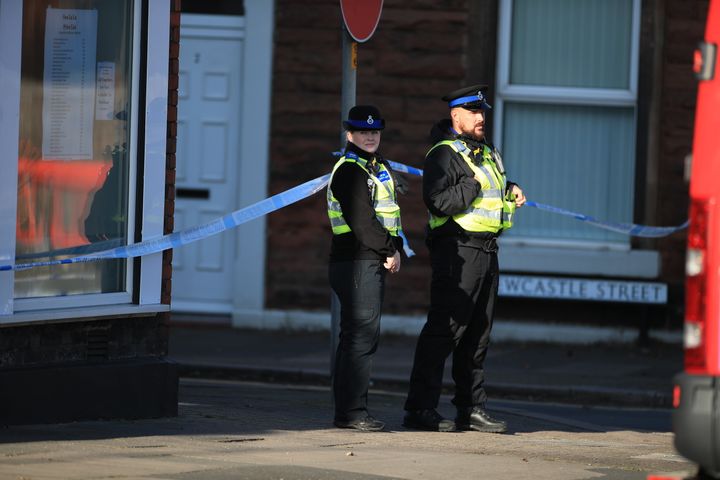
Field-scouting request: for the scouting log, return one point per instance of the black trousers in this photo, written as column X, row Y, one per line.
column 462, row 304
column 360, row 286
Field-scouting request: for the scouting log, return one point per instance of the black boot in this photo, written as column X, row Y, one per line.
column 476, row 418
column 365, row 424
column 429, row 420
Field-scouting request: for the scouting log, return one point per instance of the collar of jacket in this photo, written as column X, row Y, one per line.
column 472, row 144
column 443, row 130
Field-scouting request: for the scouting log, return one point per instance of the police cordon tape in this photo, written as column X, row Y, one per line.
column 79, row 250
column 177, row 239
column 288, row 197
column 625, row 228
column 631, row 229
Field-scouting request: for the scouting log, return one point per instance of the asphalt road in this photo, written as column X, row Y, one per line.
column 242, row 430
column 591, row 418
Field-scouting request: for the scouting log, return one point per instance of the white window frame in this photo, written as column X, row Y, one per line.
column 155, row 85
column 10, row 40
column 558, row 95
column 543, row 255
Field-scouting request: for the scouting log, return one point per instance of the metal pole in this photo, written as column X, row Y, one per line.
column 349, row 75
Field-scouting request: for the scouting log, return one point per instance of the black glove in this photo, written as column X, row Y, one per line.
column 401, row 184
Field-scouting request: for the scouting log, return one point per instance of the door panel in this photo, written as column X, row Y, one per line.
column 207, row 166
column 214, row 141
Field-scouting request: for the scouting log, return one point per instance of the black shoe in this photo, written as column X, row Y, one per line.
column 366, row 424
column 476, row 418
column 429, row 420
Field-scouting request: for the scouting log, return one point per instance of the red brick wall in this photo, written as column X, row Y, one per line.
column 415, row 56
column 169, row 223
column 684, row 27
column 173, row 72
column 419, row 52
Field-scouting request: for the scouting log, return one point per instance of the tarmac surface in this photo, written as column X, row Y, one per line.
column 244, row 430
column 256, row 405
column 601, row 374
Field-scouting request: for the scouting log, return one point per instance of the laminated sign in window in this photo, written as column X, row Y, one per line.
column 69, row 84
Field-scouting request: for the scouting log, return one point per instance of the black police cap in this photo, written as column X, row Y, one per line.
column 471, row 97
column 364, row 117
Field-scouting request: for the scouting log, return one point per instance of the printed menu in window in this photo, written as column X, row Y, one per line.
column 69, row 84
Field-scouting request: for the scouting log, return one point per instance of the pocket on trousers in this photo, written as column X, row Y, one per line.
column 362, row 312
column 445, row 276
column 362, row 318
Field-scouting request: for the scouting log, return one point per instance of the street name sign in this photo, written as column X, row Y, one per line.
column 599, row 290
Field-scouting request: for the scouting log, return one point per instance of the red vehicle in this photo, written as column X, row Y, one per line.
column 696, row 416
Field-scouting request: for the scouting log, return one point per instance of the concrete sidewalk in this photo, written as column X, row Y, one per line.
column 624, row 375
column 258, row 431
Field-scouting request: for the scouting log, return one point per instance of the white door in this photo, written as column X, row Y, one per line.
column 208, row 157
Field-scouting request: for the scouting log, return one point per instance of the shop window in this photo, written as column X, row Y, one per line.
column 74, row 167
column 565, row 113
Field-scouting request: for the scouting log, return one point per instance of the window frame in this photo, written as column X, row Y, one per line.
column 10, row 38
column 583, row 96
column 151, row 35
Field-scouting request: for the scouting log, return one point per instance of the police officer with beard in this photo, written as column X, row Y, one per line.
column 470, row 204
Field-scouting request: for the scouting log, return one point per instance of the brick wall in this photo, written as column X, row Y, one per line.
column 76, row 342
column 419, row 52
column 684, row 28
column 170, row 159
column 415, row 56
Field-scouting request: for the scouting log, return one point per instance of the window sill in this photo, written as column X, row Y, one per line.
column 81, row 313
column 579, row 261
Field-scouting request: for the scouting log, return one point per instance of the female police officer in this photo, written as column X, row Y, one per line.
column 365, row 220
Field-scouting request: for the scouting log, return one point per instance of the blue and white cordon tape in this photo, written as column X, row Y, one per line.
column 193, row 234
column 631, row 229
column 288, row 197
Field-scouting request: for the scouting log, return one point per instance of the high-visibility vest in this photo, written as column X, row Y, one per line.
column 384, row 199
column 492, row 210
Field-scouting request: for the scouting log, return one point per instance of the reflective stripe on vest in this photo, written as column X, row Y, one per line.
column 490, row 211
column 387, row 211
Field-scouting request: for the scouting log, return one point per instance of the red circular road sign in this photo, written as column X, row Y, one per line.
column 361, row 17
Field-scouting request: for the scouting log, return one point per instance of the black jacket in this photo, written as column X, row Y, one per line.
column 368, row 239
column 449, row 187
